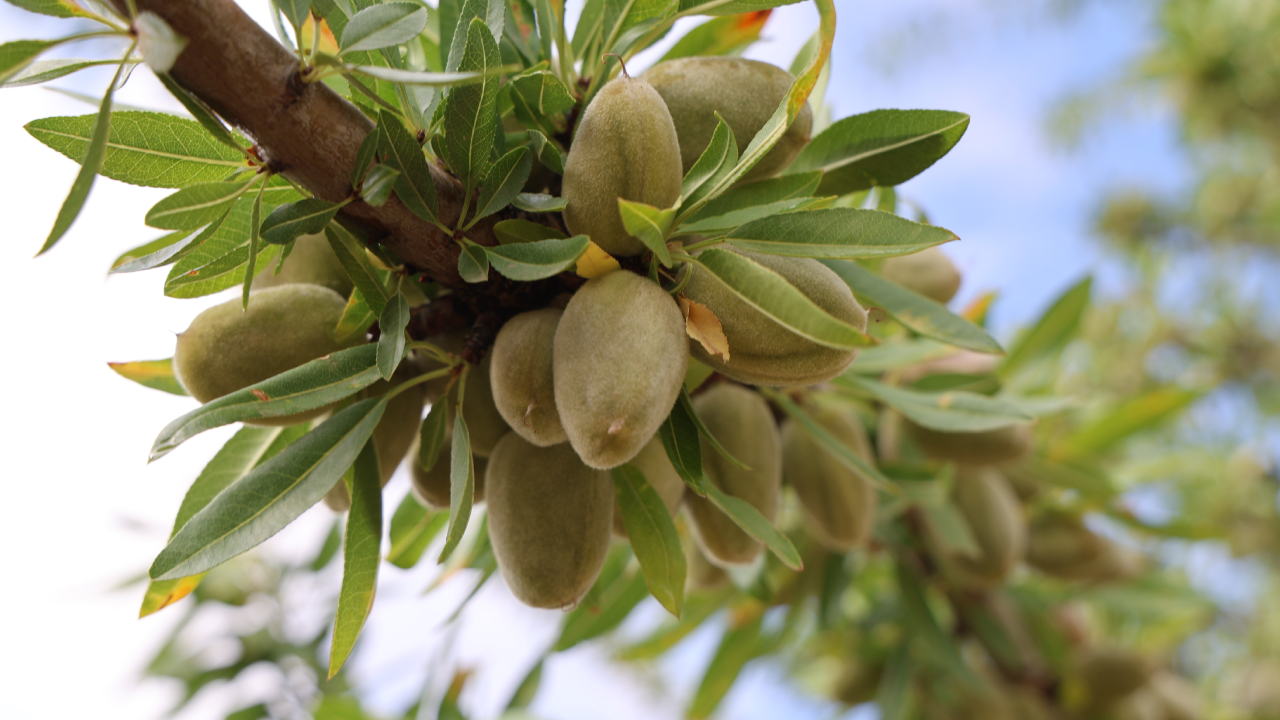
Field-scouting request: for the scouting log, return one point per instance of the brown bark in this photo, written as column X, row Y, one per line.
column 307, row 132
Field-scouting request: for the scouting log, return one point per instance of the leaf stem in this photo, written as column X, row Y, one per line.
column 427, row 377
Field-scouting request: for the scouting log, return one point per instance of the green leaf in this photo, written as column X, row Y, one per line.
column 155, row 374
column 881, row 148
column 378, row 184
column 763, row 192
column 196, row 206
column 242, row 452
column 462, row 484
column 162, row 251
column 722, row 36
column 491, row 14
column 432, row 434
column 255, row 222
column 357, row 318
column 838, row 233
column 754, row 524
column 203, row 115
column 845, row 454
column 267, row 499
column 537, row 260
column 548, row 154
column 771, row 294
column 649, row 225
column 539, row 203
column 921, row 623
column 90, row 164
column 412, row 528
column 1052, row 331
column 144, row 148
column 686, row 403
column 716, row 161
column 623, row 15
column 305, row 217
column 307, row 387
column 16, row 55
column 733, row 7
column 1134, row 415
column 415, row 186
column 42, row 71
column 221, row 259
column 296, row 12
column 913, row 310
column 503, row 183
column 955, row 411
column 679, row 435
column 419, row 77
column 366, row 155
column 354, row 260
column 898, row 355
column 736, row 649
column 55, row 8
column 544, row 92
column 468, row 118
column 473, row 264
column 391, row 324
column 361, row 547
column 382, row 26
column 725, row 224
column 591, row 620
column 653, row 537
column 590, row 28
column 513, row 232
column 697, row 608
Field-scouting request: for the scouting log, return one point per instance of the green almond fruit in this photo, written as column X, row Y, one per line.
column 1108, row 675
column 661, row 475
column 928, row 272
column 700, row 574
column 1063, row 546
column 988, row 447
column 995, row 518
column 522, row 376
column 625, row 147
column 762, row 352
column 1178, row 698
column 741, row 421
column 228, row 348
column 485, row 424
column 858, row 682
column 838, row 503
column 549, row 520
column 745, row 93
column 620, row 357
column 312, row 262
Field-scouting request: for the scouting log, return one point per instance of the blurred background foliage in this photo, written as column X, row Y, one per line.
column 1169, row 450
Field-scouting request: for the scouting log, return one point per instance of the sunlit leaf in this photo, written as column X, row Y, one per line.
column 360, row 556
column 155, row 374
column 653, row 537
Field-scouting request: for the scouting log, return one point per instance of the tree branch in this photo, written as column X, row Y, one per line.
column 308, row 132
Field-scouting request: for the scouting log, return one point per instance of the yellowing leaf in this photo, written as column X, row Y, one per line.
column 155, row 374
column 702, row 325
column 596, row 262
column 976, row 311
column 328, row 43
column 163, row 593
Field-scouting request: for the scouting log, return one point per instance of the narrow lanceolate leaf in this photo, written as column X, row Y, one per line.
column 473, row 264
column 307, row 387
column 354, row 260
column 413, row 527
column 365, row 156
column 898, row 355
column 462, row 484
column 754, row 524
column 913, row 310
column 90, row 163
column 418, row 77
column 784, row 115
column 725, row 224
column 653, row 537
column 17, row 55
column 537, row 260
column 771, row 294
column 539, row 202
column 144, row 148
column 201, row 112
column 511, row 232
column 155, row 374
column 843, row 453
column 243, row 451
column 391, row 325
column 954, row 411
column 736, row 649
column 295, row 11
column 432, row 434
column 380, row 26
column 593, row 619
column 1134, row 415
column 255, row 236
column 357, row 318
column 733, row 7
column 722, row 36
column 415, row 187
column 157, row 253
column 679, row 435
column 42, row 71
column 716, row 160
column 361, row 545
column 263, row 502
column 547, row 152
column 838, row 233
column 880, row 148
column 1052, row 331
column 218, row 259
column 198, row 205
column 684, row 401
column 378, row 184
column 503, row 183
column 468, row 118
column 764, row 192
column 649, row 225
column 54, row 8
column 305, row 217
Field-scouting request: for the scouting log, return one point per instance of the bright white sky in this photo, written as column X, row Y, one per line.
column 87, row 512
